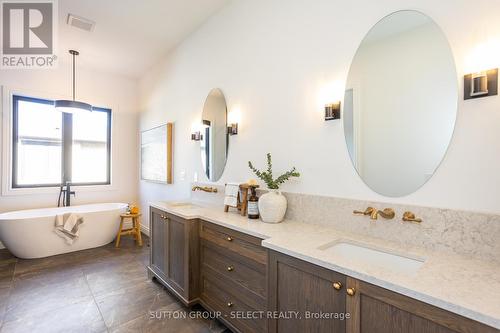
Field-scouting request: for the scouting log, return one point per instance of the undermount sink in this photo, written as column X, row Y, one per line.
column 185, row 204
column 372, row 257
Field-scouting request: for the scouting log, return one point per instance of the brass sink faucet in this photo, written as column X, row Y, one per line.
column 204, row 189
column 387, row 213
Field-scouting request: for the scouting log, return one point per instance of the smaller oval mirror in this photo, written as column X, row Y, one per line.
column 215, row 138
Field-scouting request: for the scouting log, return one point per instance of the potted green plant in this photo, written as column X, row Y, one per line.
column 272, row 205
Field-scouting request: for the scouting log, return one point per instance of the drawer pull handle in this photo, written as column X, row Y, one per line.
column 229, row 238
column 337, row 285
column 230, row 268
column 229, row 304
column 351, row 291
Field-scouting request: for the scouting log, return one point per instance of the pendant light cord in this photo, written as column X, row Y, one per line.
column 74, row 97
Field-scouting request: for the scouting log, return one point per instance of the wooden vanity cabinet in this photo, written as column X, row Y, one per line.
column 298, row 286
column 295, row 285
column 231, row 273
column 378, row 310
column 233, row 268
column 174, row 257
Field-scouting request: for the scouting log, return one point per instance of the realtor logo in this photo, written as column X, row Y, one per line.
column 28, row 30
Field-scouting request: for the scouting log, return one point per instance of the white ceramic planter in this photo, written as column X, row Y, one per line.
column 272, row 206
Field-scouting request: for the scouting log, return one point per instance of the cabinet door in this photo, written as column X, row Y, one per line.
column 377, row 310
column 159, row 249
column 177, row 252
column 308, row 291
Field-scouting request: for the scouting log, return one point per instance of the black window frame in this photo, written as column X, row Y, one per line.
column 67, row 144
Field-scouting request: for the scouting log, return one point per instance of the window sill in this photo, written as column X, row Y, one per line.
column 9, row 191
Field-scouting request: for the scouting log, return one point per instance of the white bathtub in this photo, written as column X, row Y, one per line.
column 30, row 233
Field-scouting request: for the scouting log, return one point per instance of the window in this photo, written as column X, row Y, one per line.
column 50, row 148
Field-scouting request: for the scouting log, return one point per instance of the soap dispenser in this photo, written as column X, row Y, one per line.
column 253, row 204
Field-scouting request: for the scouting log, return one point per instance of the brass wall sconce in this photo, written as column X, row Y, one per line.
column 196, row 136
column 481, row 84
column 232, row 129
column 332, row 111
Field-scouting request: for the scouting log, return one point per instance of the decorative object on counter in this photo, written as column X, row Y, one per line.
column 410, row 217
column 387, row 213
column 156, row 154
column 242, row 198
column 272, row 205
column 134, row 231
column 253, row 204
column 207, row 189
column 481, row 84
column 332, row 111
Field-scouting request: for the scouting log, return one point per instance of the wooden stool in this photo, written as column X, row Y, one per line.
column 135, row 230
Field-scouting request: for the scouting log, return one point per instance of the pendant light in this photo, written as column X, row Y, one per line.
column 72, row 106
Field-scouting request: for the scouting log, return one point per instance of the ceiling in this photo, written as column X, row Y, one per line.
column 130, row 35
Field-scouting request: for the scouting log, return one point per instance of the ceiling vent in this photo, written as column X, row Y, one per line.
column 80, row 22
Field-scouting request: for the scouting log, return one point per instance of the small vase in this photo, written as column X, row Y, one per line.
column 272, row 206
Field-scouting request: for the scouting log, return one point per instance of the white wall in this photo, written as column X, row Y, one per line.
column 405, row 97
column 273, row 58
column 102, row 89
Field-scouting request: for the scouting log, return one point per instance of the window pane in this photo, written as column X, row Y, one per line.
column 39, row 144
column 90, row 147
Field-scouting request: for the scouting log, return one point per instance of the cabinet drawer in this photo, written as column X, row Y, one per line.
column 237, row 242
column 247, row 274
column 215, row 296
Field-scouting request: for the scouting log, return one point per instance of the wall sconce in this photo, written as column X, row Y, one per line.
column 196, row 131
column 332, row 111
column 233, row 119
column 196, row 136
column 232, row 129
column 481, row 84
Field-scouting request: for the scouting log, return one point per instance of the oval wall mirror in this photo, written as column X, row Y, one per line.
column 215, row 138
column 400, row 103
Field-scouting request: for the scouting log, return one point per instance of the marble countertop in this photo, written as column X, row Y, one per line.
column 465, row 286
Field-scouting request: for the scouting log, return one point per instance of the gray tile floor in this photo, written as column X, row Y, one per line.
column 98, row 290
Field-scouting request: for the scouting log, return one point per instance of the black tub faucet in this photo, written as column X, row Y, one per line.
column 65, row 192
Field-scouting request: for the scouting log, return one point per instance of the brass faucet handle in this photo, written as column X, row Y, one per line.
column 368, row 211
column 410, row 217
column 387, row 213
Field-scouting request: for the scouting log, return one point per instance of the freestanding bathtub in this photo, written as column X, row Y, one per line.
column 30, row 233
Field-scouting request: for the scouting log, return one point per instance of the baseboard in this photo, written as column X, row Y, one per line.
column 145, row 229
